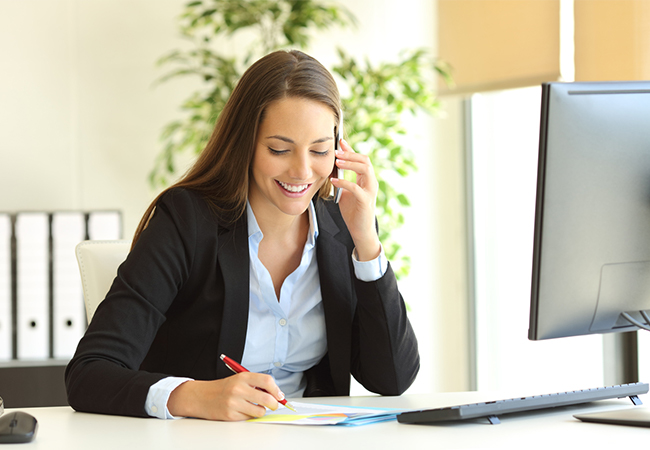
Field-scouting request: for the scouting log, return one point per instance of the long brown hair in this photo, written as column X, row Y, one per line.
column 221, row 172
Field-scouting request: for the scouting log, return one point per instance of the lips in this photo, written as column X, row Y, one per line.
column 294, row 188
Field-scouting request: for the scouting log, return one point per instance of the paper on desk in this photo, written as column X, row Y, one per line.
column 315, row 414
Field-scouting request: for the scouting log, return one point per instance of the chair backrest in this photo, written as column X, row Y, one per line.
column 98, row 262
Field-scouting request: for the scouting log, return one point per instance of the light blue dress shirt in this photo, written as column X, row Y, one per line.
column 285, row 336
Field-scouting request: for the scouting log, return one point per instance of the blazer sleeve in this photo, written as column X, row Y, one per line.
column 385, row 356
column 104, row 375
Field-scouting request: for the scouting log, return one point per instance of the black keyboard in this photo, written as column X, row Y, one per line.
column 490, row 410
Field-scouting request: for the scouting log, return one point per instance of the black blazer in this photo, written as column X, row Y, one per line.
column 181, row 299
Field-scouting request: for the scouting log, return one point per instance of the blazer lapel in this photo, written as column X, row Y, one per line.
column 233, row 261
column 335, row 275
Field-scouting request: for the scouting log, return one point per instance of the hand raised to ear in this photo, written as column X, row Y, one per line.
column 358, row 201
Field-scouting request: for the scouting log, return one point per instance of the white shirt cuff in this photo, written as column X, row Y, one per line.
column 370, row 270
column 156, row 402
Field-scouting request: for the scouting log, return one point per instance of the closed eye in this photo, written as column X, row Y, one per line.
column 325, row 153
column 277, row 152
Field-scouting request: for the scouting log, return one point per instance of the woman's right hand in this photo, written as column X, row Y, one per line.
column 237, row 397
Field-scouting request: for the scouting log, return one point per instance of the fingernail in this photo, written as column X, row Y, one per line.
column 281, row 395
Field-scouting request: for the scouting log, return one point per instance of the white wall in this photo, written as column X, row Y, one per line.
column 80, row 122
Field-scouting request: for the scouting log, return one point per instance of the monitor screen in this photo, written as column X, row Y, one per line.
column 591, row 258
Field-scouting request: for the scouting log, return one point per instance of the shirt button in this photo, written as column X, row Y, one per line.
column 154, row 409
column 277, row 364
column 283, row 322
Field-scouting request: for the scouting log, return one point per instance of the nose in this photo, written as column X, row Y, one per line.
column 300, row 169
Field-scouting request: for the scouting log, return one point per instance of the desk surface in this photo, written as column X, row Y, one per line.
column 62, row 428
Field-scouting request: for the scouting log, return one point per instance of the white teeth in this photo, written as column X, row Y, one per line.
column 293, row 187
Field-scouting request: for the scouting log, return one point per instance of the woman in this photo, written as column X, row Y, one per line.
column 248, row 256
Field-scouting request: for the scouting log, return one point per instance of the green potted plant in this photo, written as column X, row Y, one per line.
column 378, row 96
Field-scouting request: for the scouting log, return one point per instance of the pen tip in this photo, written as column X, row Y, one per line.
column 290, row 406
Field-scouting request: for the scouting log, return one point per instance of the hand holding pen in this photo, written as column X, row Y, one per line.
column 238, row 368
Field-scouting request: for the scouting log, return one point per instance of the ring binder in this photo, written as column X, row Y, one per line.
column 68, row 316
column 32, row 285
column 6, row 313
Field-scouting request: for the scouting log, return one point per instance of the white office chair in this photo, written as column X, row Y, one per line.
column 98, row 262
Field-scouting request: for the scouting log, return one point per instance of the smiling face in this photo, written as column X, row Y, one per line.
column 294, row 156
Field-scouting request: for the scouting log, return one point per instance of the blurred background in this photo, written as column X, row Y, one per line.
column 81, row 117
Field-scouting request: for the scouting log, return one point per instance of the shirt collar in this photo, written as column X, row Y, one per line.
column 254, row 228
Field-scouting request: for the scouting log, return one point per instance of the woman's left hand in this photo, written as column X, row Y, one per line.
column 358, row 201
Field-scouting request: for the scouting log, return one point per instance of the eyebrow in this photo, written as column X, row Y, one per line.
column 290, row 141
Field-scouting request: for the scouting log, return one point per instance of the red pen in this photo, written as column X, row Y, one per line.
column 238, row 368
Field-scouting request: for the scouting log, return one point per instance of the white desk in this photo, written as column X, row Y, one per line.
column 62, row 428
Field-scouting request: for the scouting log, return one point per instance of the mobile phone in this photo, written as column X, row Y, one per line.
column 338, row 132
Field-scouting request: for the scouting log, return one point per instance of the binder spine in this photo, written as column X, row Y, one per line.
column 6, row 308
column 68, row 315
column 14, row 290
column 32, row 288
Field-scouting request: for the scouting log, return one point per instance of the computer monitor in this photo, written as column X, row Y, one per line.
column 591, row 261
